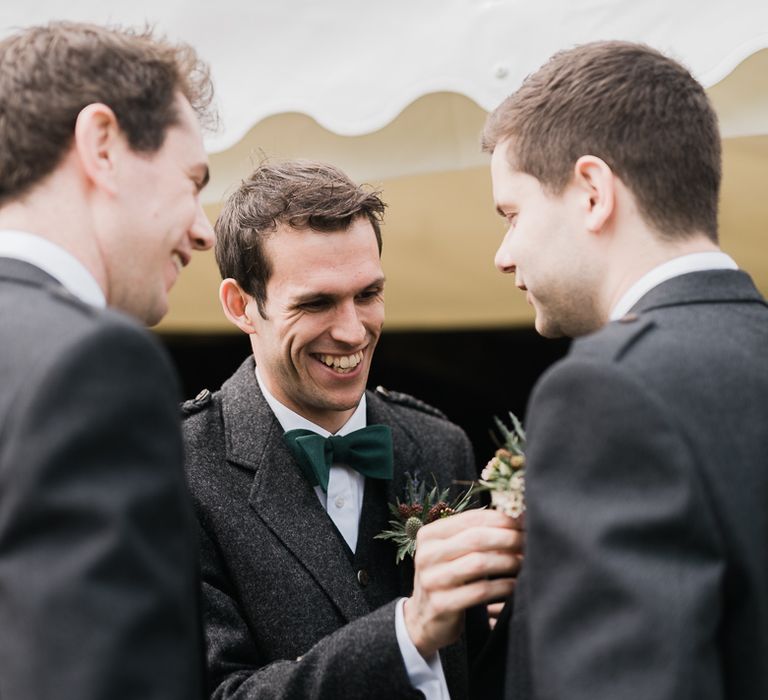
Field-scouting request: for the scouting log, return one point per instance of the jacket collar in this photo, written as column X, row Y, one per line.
column 706, row 287
column 25, row 273
column 286, row 503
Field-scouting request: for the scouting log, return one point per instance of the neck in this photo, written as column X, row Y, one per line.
column 639, row 256
column 326, row 418
column 56, row 210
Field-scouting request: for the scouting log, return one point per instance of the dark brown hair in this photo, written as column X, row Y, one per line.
column 301, row 194
column 48, row 74
column 639, row 111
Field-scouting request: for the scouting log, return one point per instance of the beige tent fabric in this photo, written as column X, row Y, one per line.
column 441, row 230
column 440, row 236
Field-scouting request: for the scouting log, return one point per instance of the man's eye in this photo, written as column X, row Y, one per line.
column 314, row 305
column 369, row 295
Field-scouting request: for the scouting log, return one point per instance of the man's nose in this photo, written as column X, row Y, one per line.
column 201, row 234
column 348, row 327
column 503, row 259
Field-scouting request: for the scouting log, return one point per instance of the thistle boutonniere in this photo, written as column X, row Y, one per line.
column 420, row 507
column 504, row 475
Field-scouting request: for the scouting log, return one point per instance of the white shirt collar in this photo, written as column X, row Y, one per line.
column 57, row 262
column 290, row 420
column 692, row 262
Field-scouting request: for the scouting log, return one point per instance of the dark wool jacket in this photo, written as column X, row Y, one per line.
column 290, row 611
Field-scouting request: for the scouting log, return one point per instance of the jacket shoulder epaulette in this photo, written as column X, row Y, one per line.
column 614, row 339
column 398, row 397
column 203, row 399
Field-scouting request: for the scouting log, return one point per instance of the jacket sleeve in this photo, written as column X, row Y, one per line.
column 624, row 560
column 97, row 552
column 360, row 659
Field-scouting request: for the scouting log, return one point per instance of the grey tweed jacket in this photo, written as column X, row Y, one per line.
column 290, row 611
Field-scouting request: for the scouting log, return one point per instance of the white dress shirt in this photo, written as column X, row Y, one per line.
column 344, row 502
column 54, row 260
column 692, row 262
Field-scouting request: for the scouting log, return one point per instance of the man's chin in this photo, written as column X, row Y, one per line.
column 329, row 412
column 153, row 314
column 348, row 401
column 343, row 401
column 547, row 328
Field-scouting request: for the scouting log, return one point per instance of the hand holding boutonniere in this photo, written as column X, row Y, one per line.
column 504, row 475
column 420, row 507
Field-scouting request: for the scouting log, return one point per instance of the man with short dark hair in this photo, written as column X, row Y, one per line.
column 300, row 600
column 646, row 572
column 101, row 165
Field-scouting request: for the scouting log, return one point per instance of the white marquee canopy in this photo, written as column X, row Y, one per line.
column 354, row 66
column 396, row 94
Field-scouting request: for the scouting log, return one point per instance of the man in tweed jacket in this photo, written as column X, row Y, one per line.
column 300, row 600
column 646, row 573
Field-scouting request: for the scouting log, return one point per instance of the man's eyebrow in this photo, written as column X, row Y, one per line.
column 304, row 297
column 300, row 299
column 378, row 282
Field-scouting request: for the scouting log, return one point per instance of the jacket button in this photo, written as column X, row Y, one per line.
column 362, row 577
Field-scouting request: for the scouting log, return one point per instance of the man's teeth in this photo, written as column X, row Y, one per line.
column 177, row 261
column 342, row 362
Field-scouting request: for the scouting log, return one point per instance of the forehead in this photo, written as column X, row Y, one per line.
column 507, row 182
column 185, row 137
column 335, row 262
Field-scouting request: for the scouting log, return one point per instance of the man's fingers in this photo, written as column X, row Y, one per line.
column 451, row 601
column 447, row 527
column 431, row 550
column 469, row 568
column 494, row 610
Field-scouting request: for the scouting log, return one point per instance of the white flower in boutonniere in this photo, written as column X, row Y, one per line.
column 504, row 475
column 420, row 507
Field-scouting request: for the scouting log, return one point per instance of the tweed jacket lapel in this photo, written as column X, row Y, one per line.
column 410, row 455
column 379, row 555
column 406, row 450
column 708, row 287
column 280, row 496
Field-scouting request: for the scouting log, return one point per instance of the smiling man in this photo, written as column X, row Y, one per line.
column 300, row 600
column 101, row 166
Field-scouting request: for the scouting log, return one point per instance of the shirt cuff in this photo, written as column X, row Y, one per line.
column 426, row 676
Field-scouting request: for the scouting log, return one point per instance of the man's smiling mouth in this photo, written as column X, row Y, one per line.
column 341, row 363
column 179, row 260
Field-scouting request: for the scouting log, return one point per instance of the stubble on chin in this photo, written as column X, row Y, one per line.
column 154, row 311
column 573, row 318
column 148, row 311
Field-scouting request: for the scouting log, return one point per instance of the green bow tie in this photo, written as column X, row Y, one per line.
column 368, row 451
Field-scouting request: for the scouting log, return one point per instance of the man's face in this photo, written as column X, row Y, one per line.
column 158, row 219
column 544, row 248
column 325, row 310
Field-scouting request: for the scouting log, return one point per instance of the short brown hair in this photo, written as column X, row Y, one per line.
column 636, row 109
column 301, row 194
column 48, row 74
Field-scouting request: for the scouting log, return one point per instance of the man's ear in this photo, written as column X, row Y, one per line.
column 97, row 137
column 597, row 181
column 238, row 305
